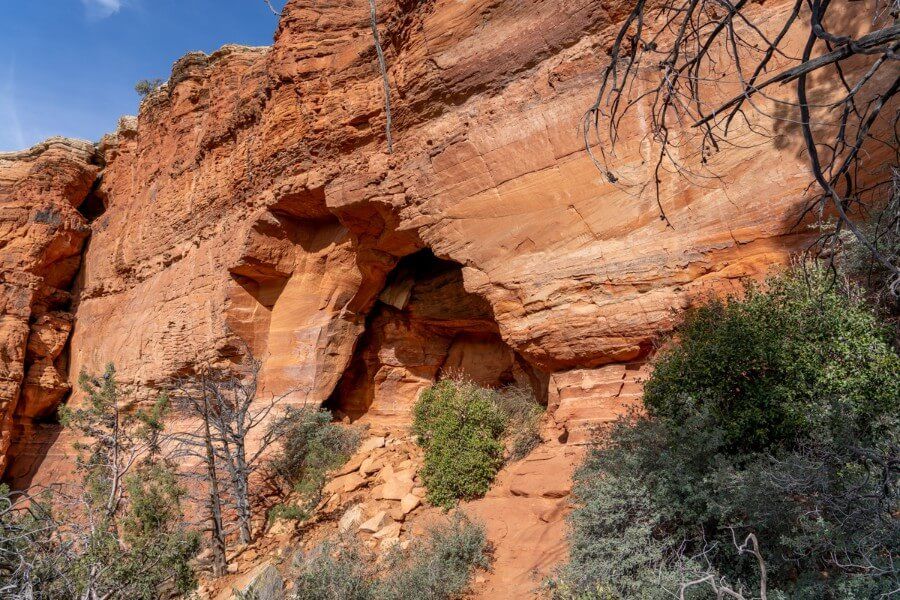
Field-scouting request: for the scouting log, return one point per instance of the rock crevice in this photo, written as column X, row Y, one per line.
column 425, row 326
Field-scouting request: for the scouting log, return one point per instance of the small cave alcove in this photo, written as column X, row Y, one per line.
column 95, row 203
column 425, row 326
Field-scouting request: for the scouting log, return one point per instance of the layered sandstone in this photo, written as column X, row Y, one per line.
column 41, row 238
column 254, row 198
column 253, row 206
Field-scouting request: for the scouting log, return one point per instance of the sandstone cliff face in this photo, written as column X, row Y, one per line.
column 41, row 237
column 253, row 205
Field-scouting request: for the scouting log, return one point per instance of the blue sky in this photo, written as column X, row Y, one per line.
column 68, row 67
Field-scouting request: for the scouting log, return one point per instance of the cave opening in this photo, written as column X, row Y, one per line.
column 426, row 326
column 94, row 204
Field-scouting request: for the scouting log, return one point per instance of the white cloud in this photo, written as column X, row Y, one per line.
column 101, row 9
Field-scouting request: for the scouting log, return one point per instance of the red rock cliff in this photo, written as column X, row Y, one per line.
column 41, row 237
column 254, row 199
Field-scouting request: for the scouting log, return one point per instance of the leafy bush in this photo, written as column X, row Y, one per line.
column 801, row 360
column 311, row 445
column 465, row 428
column 153, row 531
column 460, row 426
column 334, row 571
column 778, row 414
column 439, row 566
column 117, row 531
column 436, row 567
column 289, row 512
column 29, row 556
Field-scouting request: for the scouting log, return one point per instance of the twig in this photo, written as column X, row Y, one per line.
column 272, row 8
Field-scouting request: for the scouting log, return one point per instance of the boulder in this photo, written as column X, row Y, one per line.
column 391, row 531
column 370, row 465
column 370, row 444
column 264, row 583
column 376, row 523
column 409, row 503
column 397, row 489
column 398, row 485
column 344, row 484
column 351, row 518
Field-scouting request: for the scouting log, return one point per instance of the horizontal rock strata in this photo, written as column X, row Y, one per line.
column 252, row 206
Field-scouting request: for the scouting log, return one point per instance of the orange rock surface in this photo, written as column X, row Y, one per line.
column 41, row 238
column 253, row 204
column 253, row 198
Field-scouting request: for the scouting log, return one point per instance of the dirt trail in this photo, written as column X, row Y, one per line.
column 525, row 518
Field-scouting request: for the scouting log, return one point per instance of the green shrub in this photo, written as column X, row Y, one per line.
column 460, row 427
column 438, row 567
column 117, row 530
column 465, row 428
column 800, row 360
column 290, row 512
column 30, row 557
column 334, row 571
column 145, row 87
column 777, row 415
column 153, row 531
column 310, row 445
column 882, row 229
column 435, row 567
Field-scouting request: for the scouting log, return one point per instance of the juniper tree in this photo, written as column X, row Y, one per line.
column 117, row 531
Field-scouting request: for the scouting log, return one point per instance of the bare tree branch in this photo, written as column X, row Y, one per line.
column 720, row 587
column 277, row 13
column 382, row 65
column 230, row 413
column 671, row 60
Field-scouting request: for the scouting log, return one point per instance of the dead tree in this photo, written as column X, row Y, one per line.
column 671, row 59
column 214, row 505
column 199, row 445
column 382, row 66
column 28, row 542
column 720, row 587
column 226, row 442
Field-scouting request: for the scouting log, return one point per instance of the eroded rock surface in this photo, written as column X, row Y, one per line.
column 254, row 197
column 41, row 238
column 252, row 206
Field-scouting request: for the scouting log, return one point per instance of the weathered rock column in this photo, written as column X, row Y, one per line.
column 41, row 239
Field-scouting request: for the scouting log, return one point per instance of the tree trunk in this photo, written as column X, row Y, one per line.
column 243, row 492
column 220, row 563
